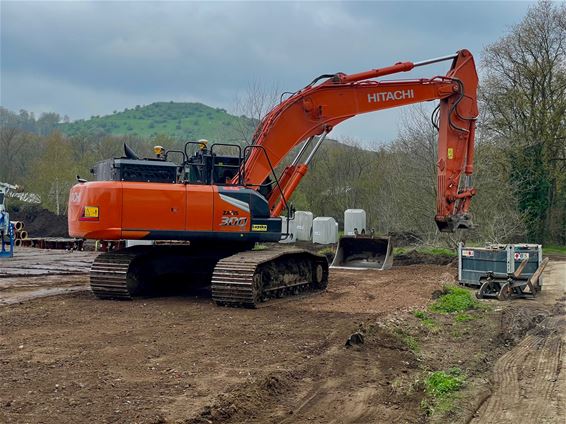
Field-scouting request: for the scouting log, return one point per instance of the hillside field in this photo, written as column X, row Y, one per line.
column 187, row 120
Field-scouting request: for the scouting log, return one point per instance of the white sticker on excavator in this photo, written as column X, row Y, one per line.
column 521, row 256
column 468, row 253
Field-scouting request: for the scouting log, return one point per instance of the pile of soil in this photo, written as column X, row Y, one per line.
column 40, row 222
column 413, row 257
column 404, row 238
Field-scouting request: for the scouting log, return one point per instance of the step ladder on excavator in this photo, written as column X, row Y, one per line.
column 512, row 285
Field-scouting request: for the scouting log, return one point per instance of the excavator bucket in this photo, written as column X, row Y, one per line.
column 363, row 252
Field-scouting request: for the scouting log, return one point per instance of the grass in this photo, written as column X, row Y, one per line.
column 427, row 250
column 454, row 299
column 427, row 320
column 408, row 341
column 463, row 317
column 554, row 250
column 441, row 388
column 442, row 383
column 185, row 120
column 327, row 250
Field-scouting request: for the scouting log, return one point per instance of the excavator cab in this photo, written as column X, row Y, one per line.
column 206, row 167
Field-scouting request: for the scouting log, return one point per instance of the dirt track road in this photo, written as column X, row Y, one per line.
column 528, row 385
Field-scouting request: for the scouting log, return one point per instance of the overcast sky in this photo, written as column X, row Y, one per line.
column 91, row 58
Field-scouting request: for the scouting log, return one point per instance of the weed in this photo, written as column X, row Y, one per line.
column 259, row 246
column 408, row 341
column 427, row 320
column 326, row 251
column 441, row 388
column 421, row 314
column 454, row 299
column 441, row 383
column 463, row 317
column 437, row 251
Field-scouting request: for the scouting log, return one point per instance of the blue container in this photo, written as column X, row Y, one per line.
column 475, row 262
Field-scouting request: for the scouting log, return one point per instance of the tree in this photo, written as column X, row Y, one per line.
column 524, row 95
column 253, row 106
column 54, row 173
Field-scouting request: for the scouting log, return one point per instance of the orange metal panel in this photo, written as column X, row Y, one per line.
column 199, row 207
column 107, row 196
column 153, row 206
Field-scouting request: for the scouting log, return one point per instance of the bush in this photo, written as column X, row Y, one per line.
column 441, row 383
column 454, row 299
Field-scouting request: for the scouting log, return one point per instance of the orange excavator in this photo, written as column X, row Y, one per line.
column 220, row 205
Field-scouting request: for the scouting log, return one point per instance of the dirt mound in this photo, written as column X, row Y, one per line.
column 412, row 257
column 404, row 238
column 516, row 322
column 40, row 222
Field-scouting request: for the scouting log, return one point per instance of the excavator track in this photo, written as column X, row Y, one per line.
column 244, row 279
column 249, row 278
column 109, row 275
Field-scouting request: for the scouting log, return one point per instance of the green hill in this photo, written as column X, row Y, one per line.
column 186, row 120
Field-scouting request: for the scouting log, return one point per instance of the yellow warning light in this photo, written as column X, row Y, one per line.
column 158, row 150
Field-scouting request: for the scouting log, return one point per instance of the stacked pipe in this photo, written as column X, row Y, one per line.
column 19, row 232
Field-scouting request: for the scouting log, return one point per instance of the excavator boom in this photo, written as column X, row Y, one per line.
column 316, row 109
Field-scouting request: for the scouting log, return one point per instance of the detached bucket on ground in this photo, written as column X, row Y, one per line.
column 359, row 252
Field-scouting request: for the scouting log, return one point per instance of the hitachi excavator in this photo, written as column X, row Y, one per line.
column 220, row 205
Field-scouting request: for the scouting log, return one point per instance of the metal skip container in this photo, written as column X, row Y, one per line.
column 475, row 262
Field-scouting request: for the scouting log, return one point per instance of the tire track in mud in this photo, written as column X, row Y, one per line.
column 338, row 387
column 527, row 380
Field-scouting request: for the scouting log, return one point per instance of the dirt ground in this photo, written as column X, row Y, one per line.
column 527, row 383
column 35, row 273
column 71, row 358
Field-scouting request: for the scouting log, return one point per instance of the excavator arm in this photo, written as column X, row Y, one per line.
column 316, row 109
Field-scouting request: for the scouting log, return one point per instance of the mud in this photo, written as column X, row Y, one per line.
column 40, row 222
column 34, row 273
column 72, row 358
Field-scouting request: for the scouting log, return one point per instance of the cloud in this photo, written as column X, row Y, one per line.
column 89, row 58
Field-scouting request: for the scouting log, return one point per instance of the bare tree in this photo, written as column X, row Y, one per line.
column 253, row 105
